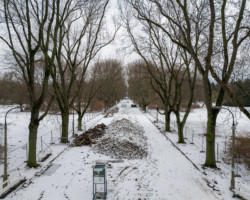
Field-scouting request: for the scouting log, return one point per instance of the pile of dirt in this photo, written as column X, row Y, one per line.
column 120, row 149
column 123, row 140
column 111, row 112
column 89, row 136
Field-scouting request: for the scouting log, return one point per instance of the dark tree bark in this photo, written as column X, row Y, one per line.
column 25, row 25
column 195, row 33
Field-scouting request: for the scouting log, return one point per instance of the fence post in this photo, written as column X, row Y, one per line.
column 51, row 140
column 218, row 153
column 27, row 153
column 192, row 137
column 185, row 137
column 41, row 143
column 202, row 151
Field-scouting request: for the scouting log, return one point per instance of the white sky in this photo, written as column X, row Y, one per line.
column 114, row 50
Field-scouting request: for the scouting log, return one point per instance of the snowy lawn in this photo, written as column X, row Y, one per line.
column 47, row 142
column 194, row 133
column 164, row 174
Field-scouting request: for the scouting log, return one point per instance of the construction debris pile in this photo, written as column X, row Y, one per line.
column 89, row 137
column 123, row 140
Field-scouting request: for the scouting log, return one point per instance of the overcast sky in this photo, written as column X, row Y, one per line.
column 113, row 50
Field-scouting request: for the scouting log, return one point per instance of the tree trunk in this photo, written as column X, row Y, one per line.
column 167, row 120
column 65, row 125
column 180, row 128
column 21, row 107
column 33, row 127
column 144, row 108
column 79, row 122
column 210, row 139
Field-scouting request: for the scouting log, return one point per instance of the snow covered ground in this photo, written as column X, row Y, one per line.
column 164, row 174
column 49, row 132
column 194, row 133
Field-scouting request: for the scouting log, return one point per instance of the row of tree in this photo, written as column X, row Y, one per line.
column 181, row 40
column 104, row 84
column 184, row 46
column 52, row 45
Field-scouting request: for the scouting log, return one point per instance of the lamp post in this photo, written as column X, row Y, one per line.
column 73, row 124
column 233, row 146
column 5, row 176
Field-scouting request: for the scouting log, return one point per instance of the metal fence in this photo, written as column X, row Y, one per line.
column 197, row 137
column 18, row 155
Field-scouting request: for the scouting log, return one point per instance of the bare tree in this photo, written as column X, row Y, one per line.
column 86, row 93
column 151, row 48
column 79, row 38
column 194, row 26
column 111, row 74
column 25, row 23
column 184, row 76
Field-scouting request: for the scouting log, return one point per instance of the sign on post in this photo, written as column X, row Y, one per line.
column 99, row 182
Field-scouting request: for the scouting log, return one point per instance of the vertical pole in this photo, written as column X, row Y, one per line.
column 202, row 143
column 27, row 152
column 237, row 166
column 5, row 177
column 93, row 186
column 202, row 151
column 41, row 143
column 51, row 134
column 73, row 123
column 192, row 138
column 233, row 143
column 185, row 137
column 218, row 152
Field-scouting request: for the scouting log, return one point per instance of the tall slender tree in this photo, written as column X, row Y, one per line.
column 26, row 23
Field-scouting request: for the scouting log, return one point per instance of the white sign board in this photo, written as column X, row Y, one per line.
column 98, row 179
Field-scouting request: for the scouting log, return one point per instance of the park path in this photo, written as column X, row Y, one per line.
column 164, row 174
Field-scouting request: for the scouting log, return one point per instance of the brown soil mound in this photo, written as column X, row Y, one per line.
column 123, row 140
column 88, row 137
column 120, row 149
